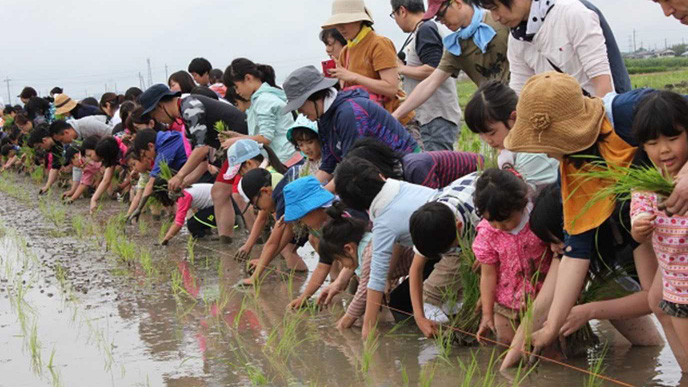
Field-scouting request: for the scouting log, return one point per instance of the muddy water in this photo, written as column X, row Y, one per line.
column 107, row 323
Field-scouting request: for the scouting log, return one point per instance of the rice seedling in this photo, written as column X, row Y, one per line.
column 596, row 368
column 143, row 226
column 146, row 263
column 54, row 374
column 467, row 319
column 443, row 343
column 55, row 213
column 191, row 255
column 427, row 375
column 240, row 312
column 35, row 347
column 166, row 224
column 79, row 225
column 38, row 174
column 404, row 375
column 165, row 171
column 370, row 346
column 283, row 346
column 256, row 375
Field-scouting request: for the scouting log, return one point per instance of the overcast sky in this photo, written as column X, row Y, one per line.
column 87, row 46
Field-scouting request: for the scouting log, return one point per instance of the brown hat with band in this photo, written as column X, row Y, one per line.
column 64, row 104
column 554, row 117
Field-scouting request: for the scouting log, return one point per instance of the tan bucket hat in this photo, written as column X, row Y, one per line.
column 347, row 11
column 64, row 104
column 554, row 117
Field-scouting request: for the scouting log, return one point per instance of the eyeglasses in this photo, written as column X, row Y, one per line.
column 394, row 12
column 442, row 12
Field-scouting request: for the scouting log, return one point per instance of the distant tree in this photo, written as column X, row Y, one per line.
column 680, row 49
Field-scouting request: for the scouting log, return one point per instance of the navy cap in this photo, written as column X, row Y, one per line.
column 152, row 96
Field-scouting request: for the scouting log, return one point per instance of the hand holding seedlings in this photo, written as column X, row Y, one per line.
column 427, row 326
column 643, row 227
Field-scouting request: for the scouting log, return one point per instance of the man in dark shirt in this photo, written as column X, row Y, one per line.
column 40, row 138
column 67, row 107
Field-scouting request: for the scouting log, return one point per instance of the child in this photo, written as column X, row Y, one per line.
column 40, row 138
column 167, row 147
column 390, row 204
column 435, row 169
column 195, row 198
column 513, row 261
column 73, row 159
column 554, row 117
column 11, row 156
column 267, row 123
column 263, row 190
column 90, row 169
column 435, row 229
column 660, row 124
column 490, row 114
column 110, row 153
column 303, row 134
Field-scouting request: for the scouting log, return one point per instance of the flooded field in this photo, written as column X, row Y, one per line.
column 85, row 301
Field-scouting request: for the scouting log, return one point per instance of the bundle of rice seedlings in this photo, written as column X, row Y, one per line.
column 468, row 318
column 165, row 171
column 627, row 179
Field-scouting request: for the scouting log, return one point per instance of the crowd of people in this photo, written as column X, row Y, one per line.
column 358, row 159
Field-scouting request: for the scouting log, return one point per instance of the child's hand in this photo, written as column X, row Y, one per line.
column 328, row 294
column 643, row 227
column 243, row 253
column 578, row 317
column 296, row 303
column 93, row 207
column 486, row 323
column 345, row 322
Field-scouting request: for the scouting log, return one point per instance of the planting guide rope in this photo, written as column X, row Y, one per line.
column 529, row 353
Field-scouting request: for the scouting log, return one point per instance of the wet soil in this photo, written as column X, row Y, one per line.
column 73, row 313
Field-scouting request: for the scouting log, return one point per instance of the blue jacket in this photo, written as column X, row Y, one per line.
column 353, row 115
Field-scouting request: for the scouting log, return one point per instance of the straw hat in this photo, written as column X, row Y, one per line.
column 553, row 117
column 64, row 104
column 347, row 11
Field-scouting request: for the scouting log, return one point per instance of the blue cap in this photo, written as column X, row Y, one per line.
column 243, row 150
column 303, row 196
column 302, row 122
column 152, row 96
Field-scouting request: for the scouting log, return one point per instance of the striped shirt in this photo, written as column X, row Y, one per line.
column 438, row 169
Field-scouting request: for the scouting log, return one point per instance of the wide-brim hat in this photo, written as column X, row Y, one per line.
column 302, row 196
column 64, row 104
column 554, row 117
column 347, row 11
column 301, row 84
column 152, row 96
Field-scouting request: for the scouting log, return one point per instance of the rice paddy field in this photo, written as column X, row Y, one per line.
column 89, row 301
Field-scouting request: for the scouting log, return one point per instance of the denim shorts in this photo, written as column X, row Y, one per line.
column 673, row 309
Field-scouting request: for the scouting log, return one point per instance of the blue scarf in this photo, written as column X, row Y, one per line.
column 481, row 33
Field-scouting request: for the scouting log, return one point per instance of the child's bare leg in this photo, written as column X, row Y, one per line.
column 654, row 298
column 640, row 331
column 294, row 261
column 505, row 329
column 681, row 328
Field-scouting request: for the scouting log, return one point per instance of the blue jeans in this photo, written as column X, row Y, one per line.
column 439, row 134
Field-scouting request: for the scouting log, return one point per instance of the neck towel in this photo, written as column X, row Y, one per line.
column 481, row 33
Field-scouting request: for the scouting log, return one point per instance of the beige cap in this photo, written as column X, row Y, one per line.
column 347, row 11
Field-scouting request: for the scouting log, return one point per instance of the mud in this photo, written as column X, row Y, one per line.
column 73, row 313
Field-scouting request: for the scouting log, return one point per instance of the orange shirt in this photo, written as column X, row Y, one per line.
column 581, row 212
column 371, row 55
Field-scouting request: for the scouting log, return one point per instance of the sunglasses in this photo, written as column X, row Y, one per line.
column 442, row 12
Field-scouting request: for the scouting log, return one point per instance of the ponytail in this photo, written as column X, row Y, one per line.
column 274, row 161
column 237, row 71
column 339, row 231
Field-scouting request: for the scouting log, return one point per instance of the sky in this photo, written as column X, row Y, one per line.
column 92, row 46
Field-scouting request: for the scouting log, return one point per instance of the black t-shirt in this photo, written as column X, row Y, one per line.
column 200, row 114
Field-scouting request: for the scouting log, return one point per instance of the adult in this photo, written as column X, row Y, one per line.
column 132, row 94
column 477, row 46
column 200, row 114
column 555, row 35
column 342, row 117
column 439, row 116
column 69, row 108
column 199, row 68
column 369, row 60
column 676, row 8
column 334, row 42
column 68, row 131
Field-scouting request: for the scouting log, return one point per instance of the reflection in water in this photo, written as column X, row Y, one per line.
column 205, row 332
